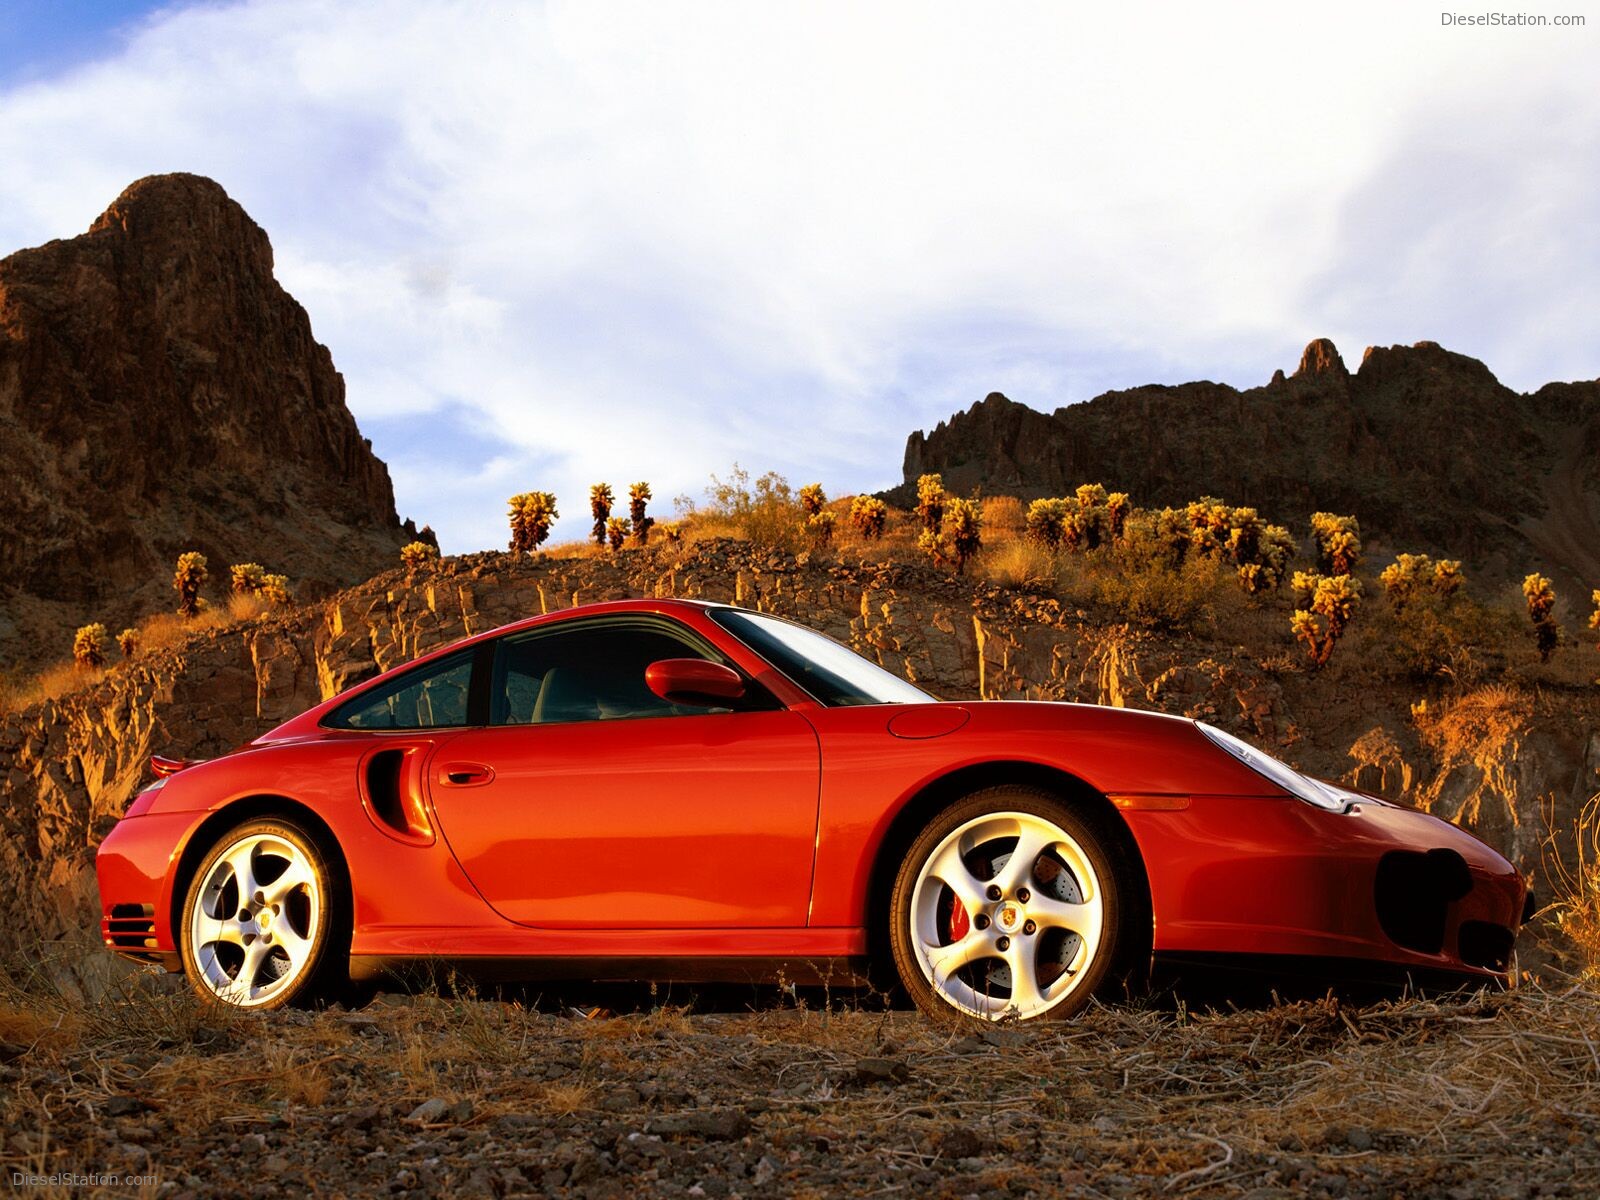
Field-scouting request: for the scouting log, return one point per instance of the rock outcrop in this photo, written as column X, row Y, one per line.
column 1425, row 446
column 68, row 767
column 160, row 392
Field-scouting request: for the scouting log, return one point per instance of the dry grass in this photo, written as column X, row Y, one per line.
column 1572, row 867
column 1491, row 1092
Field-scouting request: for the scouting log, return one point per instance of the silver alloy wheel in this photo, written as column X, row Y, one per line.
column 1006, row 916
column 254, row 923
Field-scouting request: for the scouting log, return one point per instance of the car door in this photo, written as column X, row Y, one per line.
column 588, row 801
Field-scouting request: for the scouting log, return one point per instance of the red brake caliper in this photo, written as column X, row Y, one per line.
column 959, row 921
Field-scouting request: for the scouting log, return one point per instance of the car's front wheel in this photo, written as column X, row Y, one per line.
column 262, row 922
column 1010, row 905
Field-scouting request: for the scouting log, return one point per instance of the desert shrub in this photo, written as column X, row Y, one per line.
column 1151, row 589
column 1575, row 878
column 600, row 502
column 1594, row 617
column 812, row 499
column 1020, row 562
column 764, row 511
column 1324, row 607
column 672, row 532
column 1338, row 541
column 616, row 531
column 187, row 581
column 1002, row 515
column 964, row 531
column 89, row 647
column 244, row 579
column 1447, row 633
column 638, row 499
column 128, row 642
column 1412, row 575
column 247, row 606
column 1541, row 598
column 1118, row 506
column 931, row 499
column 414, row 555
column 869, row 516
column 531, row 514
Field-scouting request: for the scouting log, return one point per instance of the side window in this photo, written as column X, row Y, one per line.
column 591, row 673
column 429, row 697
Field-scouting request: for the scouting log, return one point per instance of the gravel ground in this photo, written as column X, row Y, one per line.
column 424, row 1095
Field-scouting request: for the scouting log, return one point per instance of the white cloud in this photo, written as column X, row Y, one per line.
column 639, row 241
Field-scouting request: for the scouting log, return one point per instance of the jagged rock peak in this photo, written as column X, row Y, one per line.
column 1321, row 357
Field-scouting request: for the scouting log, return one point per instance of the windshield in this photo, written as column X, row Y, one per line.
column 833, row 674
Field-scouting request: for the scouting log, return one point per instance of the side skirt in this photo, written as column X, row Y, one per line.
column 836, row 972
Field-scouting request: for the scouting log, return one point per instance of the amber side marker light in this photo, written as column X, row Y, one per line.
column 1129, row 803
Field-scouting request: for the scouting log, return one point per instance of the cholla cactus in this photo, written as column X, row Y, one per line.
column 1410, row 575
column 1045, row 522
column 1333, row 601
column 1274, row 550
column 1594, row 617
column 638, row 498
column 931, row 501
column 869, row 515
column 89, row 647
column 820, row 525
column 245, row 579
column 187, row 580
column 616, row 531
column 1118, row 507
column 1338, row 542
column 1541, row 597
column 600, row 501
column 128, row 642
column 812, row 499
column 932, row 545
column 531, row 514
column 964, row 530
column 275, row 588
column 1304, row 585
column 416, row 555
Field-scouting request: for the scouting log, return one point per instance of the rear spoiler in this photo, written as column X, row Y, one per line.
column 161, row 766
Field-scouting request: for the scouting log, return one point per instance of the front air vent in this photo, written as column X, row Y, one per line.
column 132, row 926
column 1414, row 892
column 1485, row 944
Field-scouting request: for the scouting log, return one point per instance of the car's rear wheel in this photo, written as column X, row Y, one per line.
column 263, row 925
column 1010, row 905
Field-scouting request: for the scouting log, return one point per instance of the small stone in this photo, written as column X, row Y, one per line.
column 430, row 1111
column 723, row 1124
column 1359, row 1139
column 882, row 1070
column 125, row 1106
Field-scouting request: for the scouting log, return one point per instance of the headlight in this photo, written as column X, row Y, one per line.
column 1286, row 777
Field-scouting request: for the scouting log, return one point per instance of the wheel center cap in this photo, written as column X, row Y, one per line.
column 1008, row 917
column 265, row 918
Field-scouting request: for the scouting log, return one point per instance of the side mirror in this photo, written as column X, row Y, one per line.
column 694, row 681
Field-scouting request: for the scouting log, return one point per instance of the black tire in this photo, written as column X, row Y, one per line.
column 323, row 973
column 1124, row 939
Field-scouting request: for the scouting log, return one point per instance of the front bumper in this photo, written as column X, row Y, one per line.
column 133, row 867
column 1254, row 877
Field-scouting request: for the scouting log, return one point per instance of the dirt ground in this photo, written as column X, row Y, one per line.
column 1489, row 1095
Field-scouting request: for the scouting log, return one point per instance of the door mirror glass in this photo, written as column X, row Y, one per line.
column 694, row 681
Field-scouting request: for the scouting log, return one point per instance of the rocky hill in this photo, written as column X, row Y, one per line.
column 1425, row 446
column 160, row 392
column 1495, row 758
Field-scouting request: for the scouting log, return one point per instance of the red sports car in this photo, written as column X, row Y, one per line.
column 663, row 789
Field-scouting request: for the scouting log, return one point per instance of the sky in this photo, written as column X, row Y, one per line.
column 550, row 244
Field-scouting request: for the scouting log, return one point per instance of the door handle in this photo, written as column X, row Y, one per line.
column 465, row 774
